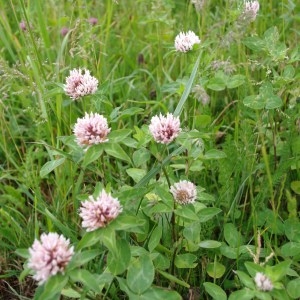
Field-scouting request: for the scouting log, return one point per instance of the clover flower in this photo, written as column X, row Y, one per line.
column 78, row 84
column 185, row 41
column 164, row 129
column 184, row 192
column 251, row 9
column 91, row 129
column 97, row 213
column 263, row 283
column 49, row 256
column 93, row 21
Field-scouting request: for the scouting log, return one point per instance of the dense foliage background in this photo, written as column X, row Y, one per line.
column 237, row 95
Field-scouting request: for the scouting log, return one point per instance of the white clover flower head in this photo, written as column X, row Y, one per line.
column 164, row 129
column 49, row 256
column 91, row 129
column 185, row 41
column 78, row 84
column 251, row 9
column 263, row 283
column 97, row 213
column 184, row 192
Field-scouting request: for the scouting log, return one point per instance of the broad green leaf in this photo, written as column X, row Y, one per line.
column 174, row 279
column 214, row 154
column 140, row 274
column 118, row 135
column 157, row 293
column 119, row 260
column 293, row 288
column 229, row 252
column 208, row 213
column 136, row 174
column 209, row 244
column 81, row 258
column 254, row 43
column 246, row 280
column 235, row 81
column 244, row 294
column 141, row 156
column 290, row 249
column 187, row 212
column 273, row 102
column 116, row 151
column 215, row 270
column 70, row 293
column 232, row 236
column 92, row 154
column 277, row 272
column 53, row 287
column 50, row 166
column 216, row 84
column 254, row 102
column 23, row 253
column 192, row 232
column 214, row 291
column 186, row 260
column 253, row 268
column 292, row 230
column 86, row 278
column 295, row 186
column 161, row 262
column 129, row 223
column 155, row 238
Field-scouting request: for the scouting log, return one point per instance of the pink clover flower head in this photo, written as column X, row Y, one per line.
column 164, row 129
column 49, row 256
column 184, row 192
column 263, row 283
column 97, row 213
column 22, row 25
column 64, row 31
column 93, row 21
column 78, row 84
column 92, row 129
column 185, row 41
column 251, row 9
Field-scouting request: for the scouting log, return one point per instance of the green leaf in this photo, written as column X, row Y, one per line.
column 186, row 260
column 157, row 293
column 214, row 291
column 215, row 270
column 119, row 260
column 136, row 174
column 277, row 272
column 216, row 84
column 295, row 186
column 253, row 268
column 23, row 253
column 235, row 81
column 214, row 154
column 118, row 135
column 50, row 166
column 273, row 102
column 254, row 43
column 53, row 287
column 86, row 278
column 232, row 236
column 81, row 258
column 192, row 232
column 246, row 280
column 290, row 249
column 187, row 90
column 140, row 274
column 116, row 151
column 208, row 213
column 244, row 294
column 70, row 293
column 173, row 279
column 293, row 288
column 155, row 238
column 209, row 244
column 292, row 230
column 129, row 223
column 141, row 156
column 254, row 102
column 92, row 154
column 187, row 212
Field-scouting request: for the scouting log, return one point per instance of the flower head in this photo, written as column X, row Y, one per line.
column 78, row 84
column 251, row 9
column 93, row 21
column 23, row 26
column 184, row 192
column 164, row 129
column 64, row 31
column 263, row 283
column 97, row 213
column 91, row 129
column 185, row 41
column 49, row 256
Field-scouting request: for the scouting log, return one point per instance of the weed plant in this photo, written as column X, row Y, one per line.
column 236, row 95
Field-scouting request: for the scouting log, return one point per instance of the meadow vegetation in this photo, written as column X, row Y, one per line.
column 236, row 94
